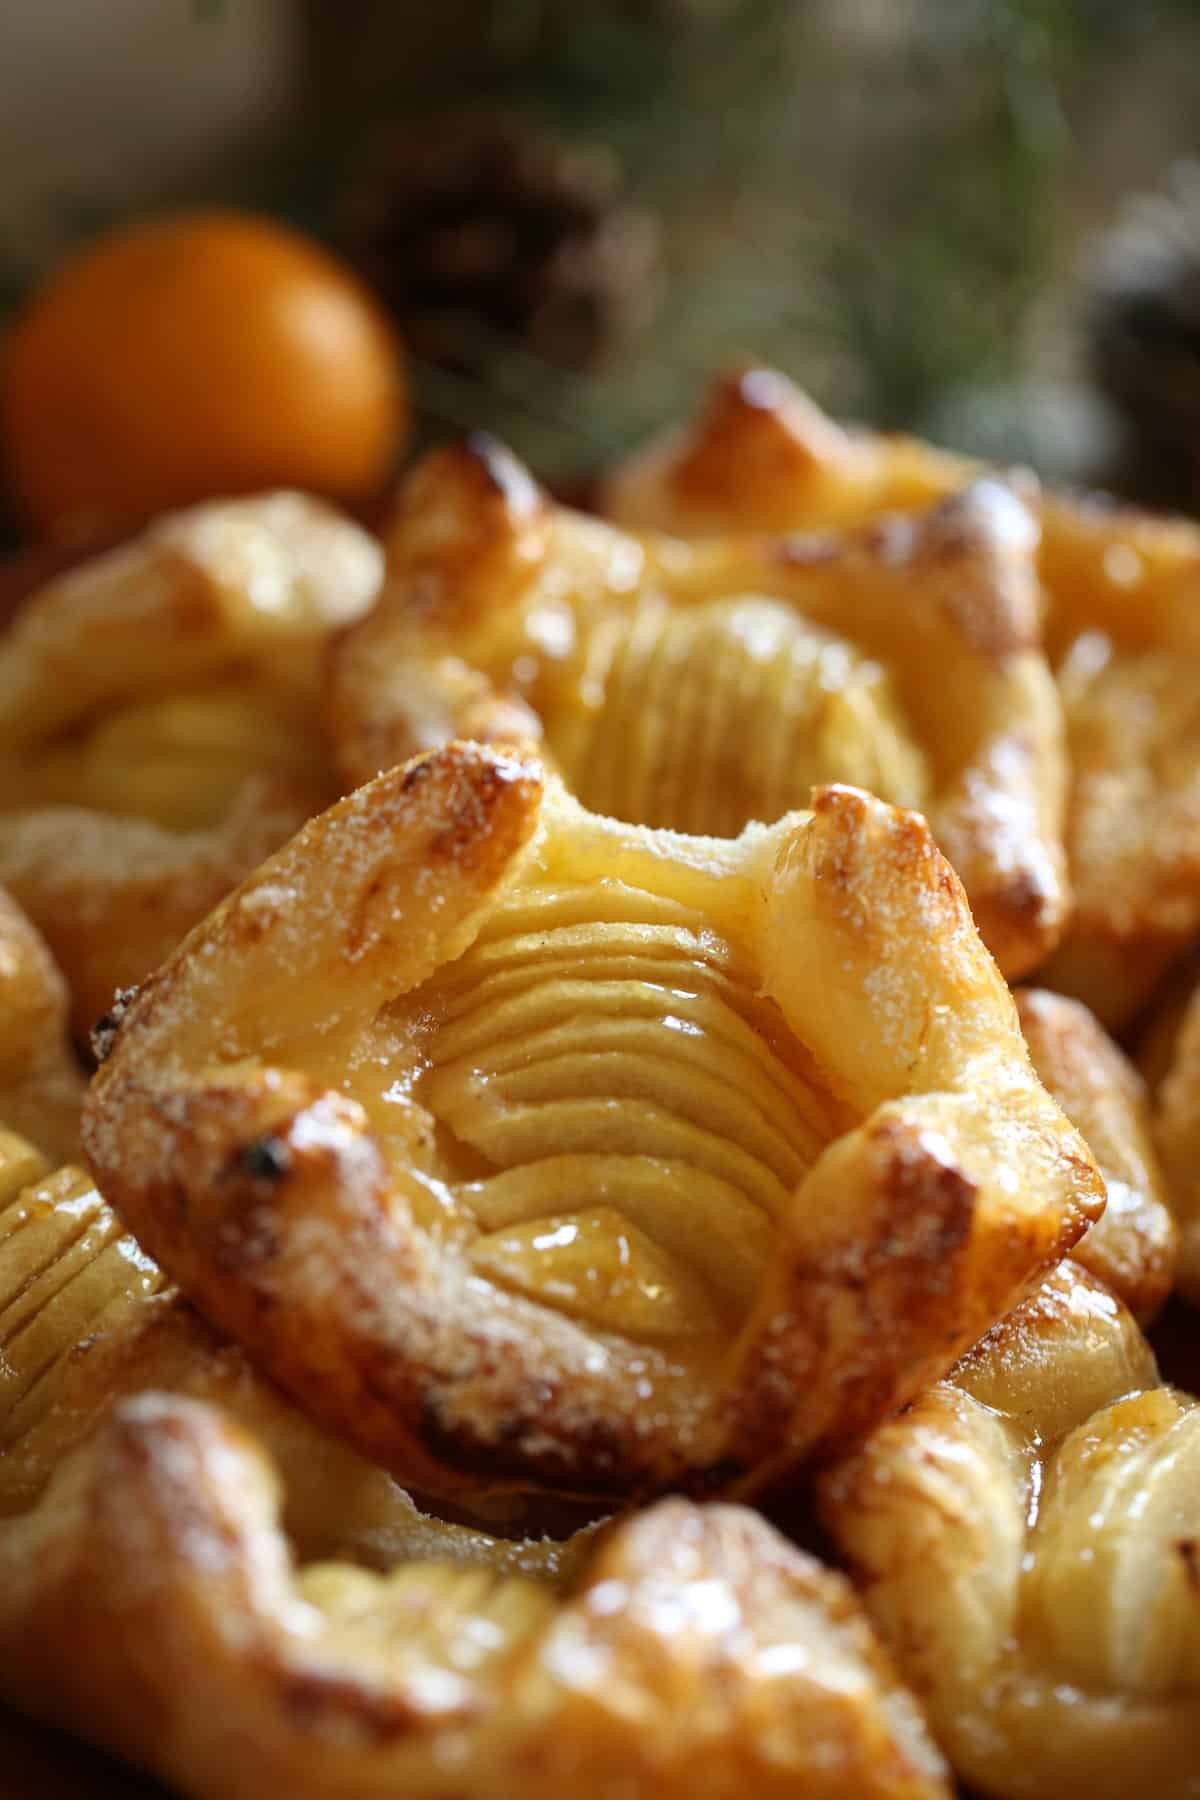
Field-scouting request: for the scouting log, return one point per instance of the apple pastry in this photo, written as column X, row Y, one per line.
column 520, row 1144
column 698, row 687
column 151, row 1601
column 1121, row 632
column 1026, row 1537
column 156, row 725
column 1133, row 1248
column 114, row 1617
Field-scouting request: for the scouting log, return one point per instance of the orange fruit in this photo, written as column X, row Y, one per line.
column 189, row 356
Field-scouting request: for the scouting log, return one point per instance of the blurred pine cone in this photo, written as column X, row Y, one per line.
column 1143, row 332
column 479, row 232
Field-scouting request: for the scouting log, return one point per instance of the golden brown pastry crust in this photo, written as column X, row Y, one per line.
column 1134, row 1246
column 1025, row 1539
column 692, row 1651
column 157, row 730
column 1121, row 631
column 699, row 686
column 41, row 1084
column 405, row 1258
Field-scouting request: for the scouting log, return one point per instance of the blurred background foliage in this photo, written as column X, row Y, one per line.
column 579, row 208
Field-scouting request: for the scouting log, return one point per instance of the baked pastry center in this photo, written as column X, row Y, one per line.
column 703, row 718
column 604, row 1113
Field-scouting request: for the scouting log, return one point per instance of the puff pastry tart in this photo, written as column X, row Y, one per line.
column 156, row 725
column 150, row 1601
column 1134, row 1247
column 1026, row 1537
column 1121, row 631
column 148, row 1587
column 698, row 687
column 510, row 1138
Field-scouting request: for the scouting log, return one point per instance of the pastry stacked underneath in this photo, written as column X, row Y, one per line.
column 566, row 1267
